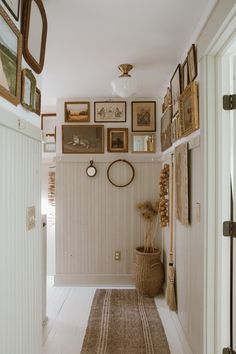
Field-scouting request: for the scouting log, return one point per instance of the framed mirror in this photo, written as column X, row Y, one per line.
column 91, row 171
column 34, row 30
column 143, row 143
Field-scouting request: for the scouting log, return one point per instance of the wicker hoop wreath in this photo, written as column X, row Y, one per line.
column 120, row 185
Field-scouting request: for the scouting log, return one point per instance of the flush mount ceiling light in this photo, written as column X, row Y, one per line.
column 124, row 86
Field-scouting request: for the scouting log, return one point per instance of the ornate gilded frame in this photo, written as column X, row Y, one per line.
column 13, row 98
column 124, row 147
column 189, row 109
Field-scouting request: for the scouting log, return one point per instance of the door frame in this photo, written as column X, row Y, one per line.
column 211, row 89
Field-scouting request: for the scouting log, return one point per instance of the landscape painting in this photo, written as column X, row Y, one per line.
column 82, row 139
column 77, row 112
column 10, row 59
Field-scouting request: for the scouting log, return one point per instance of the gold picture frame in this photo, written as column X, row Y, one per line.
column 28, row 91
column 117, row 140
column 37, row 101
column 143, row 143
column 77, row 112
column 166, row 129
column 143, row 116
column 83, row 139
column 10, row 59
column 189, row 115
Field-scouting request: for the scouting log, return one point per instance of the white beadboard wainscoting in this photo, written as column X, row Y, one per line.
column 20, row 250
column 94, row 219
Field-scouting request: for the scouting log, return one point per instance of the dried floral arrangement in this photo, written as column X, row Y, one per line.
column 149, row 212
column 164, row 191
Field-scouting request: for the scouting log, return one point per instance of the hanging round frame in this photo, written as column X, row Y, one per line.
column 91, row 170
column 132, row 175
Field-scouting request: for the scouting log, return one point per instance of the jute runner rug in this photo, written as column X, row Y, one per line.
column 123, row 322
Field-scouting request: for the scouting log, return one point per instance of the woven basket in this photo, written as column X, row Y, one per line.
column 148, row 272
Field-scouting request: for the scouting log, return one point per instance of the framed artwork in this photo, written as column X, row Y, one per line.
column 49, row 146
column 34, row 30
column 167, row 99
column 143, row 116
column 28, row 91
column 166, row 129
column 37, row 102
column 77, row 112
column 175, row 87
column 173, row 130
column 10, row 59
column 189, row 109
column 110, row 112
column 181, row 182
column 82, row 139
column 192, row 62
column 185, row 74
column 143, row 143
column 179, row 133
column 117, row 140
column 14, row 7
column 48, row 125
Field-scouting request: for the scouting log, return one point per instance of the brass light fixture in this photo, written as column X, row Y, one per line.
column 124, row 86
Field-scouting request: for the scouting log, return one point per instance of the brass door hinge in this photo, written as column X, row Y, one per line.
column 229, row 229
column 229, row 102
column 228, row 351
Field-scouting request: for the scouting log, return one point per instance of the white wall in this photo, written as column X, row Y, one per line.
column 20, row 250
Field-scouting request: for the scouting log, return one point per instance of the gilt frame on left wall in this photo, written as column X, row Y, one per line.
column 10, row 59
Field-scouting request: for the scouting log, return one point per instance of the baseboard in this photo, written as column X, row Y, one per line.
column 181, row 334
column 93, row 280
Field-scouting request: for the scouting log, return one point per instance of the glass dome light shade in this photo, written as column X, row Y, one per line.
column 124, row 86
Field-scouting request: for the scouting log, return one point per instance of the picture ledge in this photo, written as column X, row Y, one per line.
column 103, row 159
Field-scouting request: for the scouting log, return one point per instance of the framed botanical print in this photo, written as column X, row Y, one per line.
column 82, row 139
column 77, row 112
column 28, row 91
column 48, row 125
column 37, row 102
column 110, row 112
column 189, row 109
column 166, row 129
column 192, row 62
column 175, row 87
column 185, row 74
column 10, row 59
column 117, row 140
column 143, row 116
column 14, row 7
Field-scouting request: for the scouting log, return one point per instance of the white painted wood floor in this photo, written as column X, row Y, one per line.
column 68, row 310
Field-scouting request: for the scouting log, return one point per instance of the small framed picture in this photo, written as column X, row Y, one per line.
column 77, row 112
column 14, row 7
column 143, row 143
column 192, row 62
column 83, row 139
column 175, row 87
column 28, row 92
column 37, row 102
column 166, row 130
column 179, row 133
column 110, row 112
column 189, row 109
column 185, row 74
column 117, row 140
column 49, row 146
column 143, row 116
column 173, row 130
column 10, row 59
column 48, row 124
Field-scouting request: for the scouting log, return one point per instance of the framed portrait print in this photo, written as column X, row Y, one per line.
column 77, row 112
column 166, row 130
column 189, row 109
column 192, row 62
column 37, row 102
column 82, row 139
column 28, row 91
column 143, row 143
column 143, row 116
column 110, row 112
column 117, row 140
column 175, row 87
column 14, row 7
column 185, row 74
column 48, row 125
column 10, row 59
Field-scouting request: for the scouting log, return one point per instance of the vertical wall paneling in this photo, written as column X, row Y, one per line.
column 20, row 250
column 95, row 218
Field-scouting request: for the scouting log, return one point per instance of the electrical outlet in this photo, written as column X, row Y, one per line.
column 117, row 255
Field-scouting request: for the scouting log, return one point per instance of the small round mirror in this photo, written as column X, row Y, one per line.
column 91, row 170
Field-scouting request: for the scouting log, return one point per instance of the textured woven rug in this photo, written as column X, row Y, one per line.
column 123, row 322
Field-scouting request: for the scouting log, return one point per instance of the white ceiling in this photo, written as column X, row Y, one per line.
column 88, row 39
